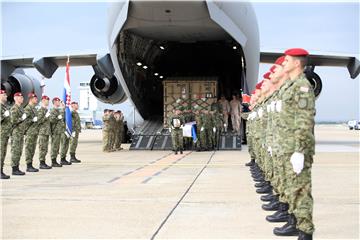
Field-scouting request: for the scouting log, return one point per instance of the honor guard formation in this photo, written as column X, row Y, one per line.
column 281, row 144
column 32, row 125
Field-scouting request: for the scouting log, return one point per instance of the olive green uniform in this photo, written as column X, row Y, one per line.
column 17, row 137
column 5, row 130
column 44, row 132
column 76, row 130
column 32, row 131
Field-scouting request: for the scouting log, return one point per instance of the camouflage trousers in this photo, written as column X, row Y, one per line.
column 106, row 144
column 298, row 193
column 3, row 146
column 30, row 146
column 111, row 136
column 55, row 145
column 17, row 144
column 64, row 145
column 251, row 147
column 215, row 137
column 177, row 139
column 74, row 143
column 205, row 138
column 118, row 140
column 43, row 147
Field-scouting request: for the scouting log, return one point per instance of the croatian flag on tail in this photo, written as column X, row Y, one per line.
column 67, row 100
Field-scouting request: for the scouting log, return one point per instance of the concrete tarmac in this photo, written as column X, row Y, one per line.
column 159, row 195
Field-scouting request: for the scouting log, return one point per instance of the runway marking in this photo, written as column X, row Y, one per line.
column 137, row 169
column 182, row 197
column 166, row 168
column 146, row 173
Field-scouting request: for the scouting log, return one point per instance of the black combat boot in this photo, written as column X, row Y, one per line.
column 261, row 184
column 55, row 164
column 181, row 151
column 304, row 236
column 270, row 197
column 251, row 163
column 64, row 162
column 271, row 206
column 43, row 165
column 3, row 175
column 266, row 189
column 16, row 171
column 73, row 159
column 30, row 168
column 281, row 215
column 289, row 229
column 175, row 152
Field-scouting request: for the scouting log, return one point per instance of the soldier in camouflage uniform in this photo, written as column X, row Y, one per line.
column 57, row 128
column 65, row 138
column 199, row 125
column 207, row 130
column 298, row 144
column 5, row 128
column 31, row 132
column 176, row 124
column 116, row 142
column 44, row 131
column 18, row 118
column 76, row 130
column 105, row 130
column 112, row 129
column 120, row 130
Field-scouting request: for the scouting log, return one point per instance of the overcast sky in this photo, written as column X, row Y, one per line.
column 35, row 29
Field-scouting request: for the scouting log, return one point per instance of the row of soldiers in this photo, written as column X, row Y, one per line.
column 281, row 144
column 34, row 125
column 113, row 130
column 209, row 125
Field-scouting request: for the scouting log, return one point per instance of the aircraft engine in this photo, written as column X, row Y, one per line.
column 107, row 90
column 315, row 81
column 19, row 82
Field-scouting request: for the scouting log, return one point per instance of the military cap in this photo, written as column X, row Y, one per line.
column 272, row 69
column 267, row 75
column 280, row 60
column 18, row 94
column 296, row 52
column 31, row 95
column 74, row 102
column 2, row 91
column 45, row 97
column 56, row 99
column 258, row 86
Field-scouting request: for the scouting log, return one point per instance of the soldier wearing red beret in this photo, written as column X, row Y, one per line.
column 44, row 131
column 5, row 130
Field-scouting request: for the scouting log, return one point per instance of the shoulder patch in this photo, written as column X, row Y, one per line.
column 304, row 89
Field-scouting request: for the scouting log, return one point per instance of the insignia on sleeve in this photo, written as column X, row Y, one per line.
column 302, row 103
column 304, row 89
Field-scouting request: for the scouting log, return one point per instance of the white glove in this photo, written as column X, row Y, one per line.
column 23, row 117
column 59, row 117
column 35, row 119
column 224, row 124
column 268, row 108
column 202, row 129
column 214, row 129
column 169, row 130
column 182, row 126
column 297, row 161
column 47, row 114
column 73, row 134
column 260, row 112
column 6, row 113
column 278, row 106
column 269, row 151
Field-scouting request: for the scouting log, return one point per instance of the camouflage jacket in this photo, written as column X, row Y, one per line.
column 5, row 126
column 296, row 111
column 17, row 123
column 106, row 122
column 56, row 124
column 44, row 122
column 32, row 128
column 112, row 123
column 76, row 124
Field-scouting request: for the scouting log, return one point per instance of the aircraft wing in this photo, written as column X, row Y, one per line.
column 333, row 60
column 45, row 65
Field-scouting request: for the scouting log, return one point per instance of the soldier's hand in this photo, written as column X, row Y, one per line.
column 202, row 129
column 35, row 119
column 59, row 117
column 23, row 117
column 169, row 130
column 47, row 114
column 214, row 129
column 297, row 161
column 73, row 134
column 6, row 113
